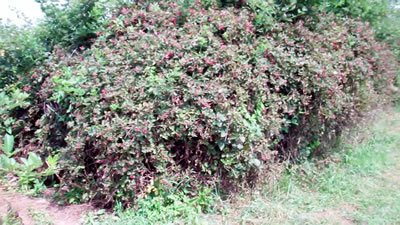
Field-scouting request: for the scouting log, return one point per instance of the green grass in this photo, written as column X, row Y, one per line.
column 40, row 217
column 11, row 218
column 359, row 184
column 359, row 189
column 164, row 208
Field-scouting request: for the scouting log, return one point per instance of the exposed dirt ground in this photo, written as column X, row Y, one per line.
column 23, row 205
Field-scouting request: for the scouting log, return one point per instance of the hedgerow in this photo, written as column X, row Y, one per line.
column 165, row 92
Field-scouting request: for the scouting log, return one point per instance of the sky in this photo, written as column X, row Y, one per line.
column 29, row 8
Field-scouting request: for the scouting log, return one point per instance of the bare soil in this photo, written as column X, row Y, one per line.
column 58, row 215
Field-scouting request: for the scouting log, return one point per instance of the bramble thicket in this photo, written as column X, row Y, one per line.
column 205, row 92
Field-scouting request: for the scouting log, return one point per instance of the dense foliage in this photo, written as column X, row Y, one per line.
column 20, row 50
column 70, row 25
column 163, row 93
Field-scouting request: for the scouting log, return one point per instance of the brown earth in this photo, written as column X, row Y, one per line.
column 23, row 205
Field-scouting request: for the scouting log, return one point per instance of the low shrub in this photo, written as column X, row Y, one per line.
column 164, row 93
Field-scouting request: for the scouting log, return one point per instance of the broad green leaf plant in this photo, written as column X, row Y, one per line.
column 26, row 171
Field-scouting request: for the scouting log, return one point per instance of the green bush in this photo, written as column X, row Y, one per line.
column 20, row 50
column 165, row 92
column 71, row 24
column 368, row 10
column 388, row 30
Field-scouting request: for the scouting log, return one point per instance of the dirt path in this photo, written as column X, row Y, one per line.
column 44, row 210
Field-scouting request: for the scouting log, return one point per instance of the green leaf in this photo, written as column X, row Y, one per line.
column 224, row 133
column 34, row 161
column 52, row 160
column 8, row 164
column 221, row 145
column 52, row 165
column 8, row 145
